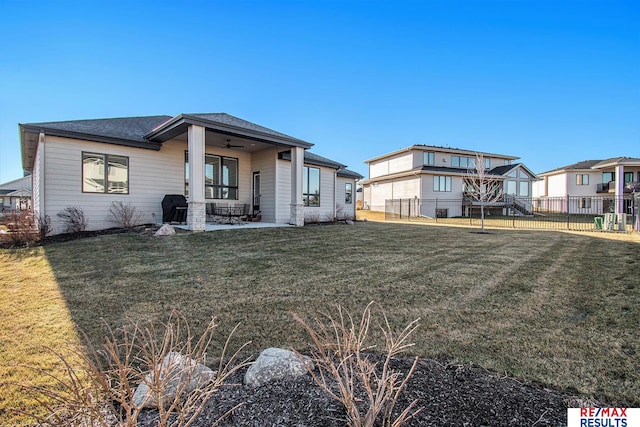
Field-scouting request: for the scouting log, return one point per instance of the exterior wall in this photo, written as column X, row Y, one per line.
column 347, row 209
column 398, row 163
column 326, row 210
column 152, row 174
column 573, row 189
column 36, row 184
column 557, row 185
column 450, row 200
column 539, row 188
column 265, row 162
column 399, row 188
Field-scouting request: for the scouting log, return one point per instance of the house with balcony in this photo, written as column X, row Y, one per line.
column 207, row 159
column 434, row 177
column 590, row 186
column 15, row 195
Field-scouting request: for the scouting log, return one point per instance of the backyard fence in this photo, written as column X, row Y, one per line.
column 559, row 213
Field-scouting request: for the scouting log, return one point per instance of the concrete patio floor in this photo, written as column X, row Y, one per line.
column 236, row 226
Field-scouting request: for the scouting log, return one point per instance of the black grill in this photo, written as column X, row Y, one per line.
column 174, row 208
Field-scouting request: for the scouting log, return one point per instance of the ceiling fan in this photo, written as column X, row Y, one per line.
column 229, row 145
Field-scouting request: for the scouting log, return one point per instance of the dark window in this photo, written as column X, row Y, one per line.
column 582, row 179
column 441, row 183
column 628, row 177
column 608, row 177
column 311, row 186
column 104, row 173
column 348, row 193
column 429, row 158
column 220, row 177
column 442, row 213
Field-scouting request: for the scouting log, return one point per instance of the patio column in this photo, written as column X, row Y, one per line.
column 619, row 189
column 297, row 162
column 196, row 214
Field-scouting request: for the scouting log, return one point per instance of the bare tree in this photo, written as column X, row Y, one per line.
column 481, row 186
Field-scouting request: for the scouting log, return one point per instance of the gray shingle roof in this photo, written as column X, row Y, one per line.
column 228, row 119
column 124, row 128
column 346, row 173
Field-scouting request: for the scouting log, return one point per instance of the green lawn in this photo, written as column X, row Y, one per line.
column 560, row 309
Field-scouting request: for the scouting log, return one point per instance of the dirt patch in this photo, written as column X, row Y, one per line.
column 463, row 395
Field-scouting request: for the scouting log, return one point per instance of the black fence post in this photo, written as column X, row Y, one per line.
column 568, row 215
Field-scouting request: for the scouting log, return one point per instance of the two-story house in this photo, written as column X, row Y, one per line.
column 436, row 176
column 590, row 186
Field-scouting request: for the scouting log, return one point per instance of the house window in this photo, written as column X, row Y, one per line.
column 112, row 179
column 348, row 193
column 441, row 183
column 487, row 163
column 311, row 186
column 442, row 213
column 507, row 162
column 220, row 177
column 463, row 162
column 524, row 188
column 582, row 179
column 585, row 203
column 628, row 177
column 608, row 177
column 511, row 187
column 429, row 158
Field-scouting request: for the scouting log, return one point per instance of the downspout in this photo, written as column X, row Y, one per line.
column 41, row 166
column 335, row 200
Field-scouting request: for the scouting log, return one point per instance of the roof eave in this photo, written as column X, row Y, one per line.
column 90, row 137
column 175, row 126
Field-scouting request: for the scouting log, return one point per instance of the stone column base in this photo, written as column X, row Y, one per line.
column 297, row 215
column 196, row 216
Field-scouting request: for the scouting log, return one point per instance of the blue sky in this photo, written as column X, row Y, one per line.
column 553, row 82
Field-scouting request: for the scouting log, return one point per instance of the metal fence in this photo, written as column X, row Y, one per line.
column 558, row 213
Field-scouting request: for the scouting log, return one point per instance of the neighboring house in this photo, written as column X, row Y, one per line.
column 599, row 186
column 207, row 157
column 16, row 194
column 431, row 174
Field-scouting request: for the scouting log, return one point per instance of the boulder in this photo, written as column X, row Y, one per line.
column 177, row 374
column 274, row 364
column 165, row 230
column 349, row 222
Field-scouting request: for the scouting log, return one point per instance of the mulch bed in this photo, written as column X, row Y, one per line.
column 449, row 395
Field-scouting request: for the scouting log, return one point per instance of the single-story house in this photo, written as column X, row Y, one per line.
column 15, row 195
column 208, row 158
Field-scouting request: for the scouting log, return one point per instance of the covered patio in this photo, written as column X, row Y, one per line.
column 208, row 181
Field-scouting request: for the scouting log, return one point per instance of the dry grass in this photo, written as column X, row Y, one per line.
column 557, row 308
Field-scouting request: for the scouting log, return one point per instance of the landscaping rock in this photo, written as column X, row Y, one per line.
column 349, row 222
column 275, row 364
column 165, row 230
column 178, row 374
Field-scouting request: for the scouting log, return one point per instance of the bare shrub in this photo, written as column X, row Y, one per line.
column 124, row 215
column 43, row 226
column 74, row 219
column 312, row 217
column 21, row 228
column 344, row 367
column 98, row 386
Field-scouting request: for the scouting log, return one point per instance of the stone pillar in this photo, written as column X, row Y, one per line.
column 619, row 189
column 297, row 162
column 196, row 214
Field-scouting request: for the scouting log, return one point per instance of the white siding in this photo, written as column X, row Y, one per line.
column 399, row 163
column 347, row 209
column 557, row 185
column 451, row 200
column 265, row 163
column 574, row 189
column 326, row 210
column 539, row 188
column 152, row 174
column 36, row 176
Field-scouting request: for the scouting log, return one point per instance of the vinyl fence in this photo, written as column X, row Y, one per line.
column 559, row 213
